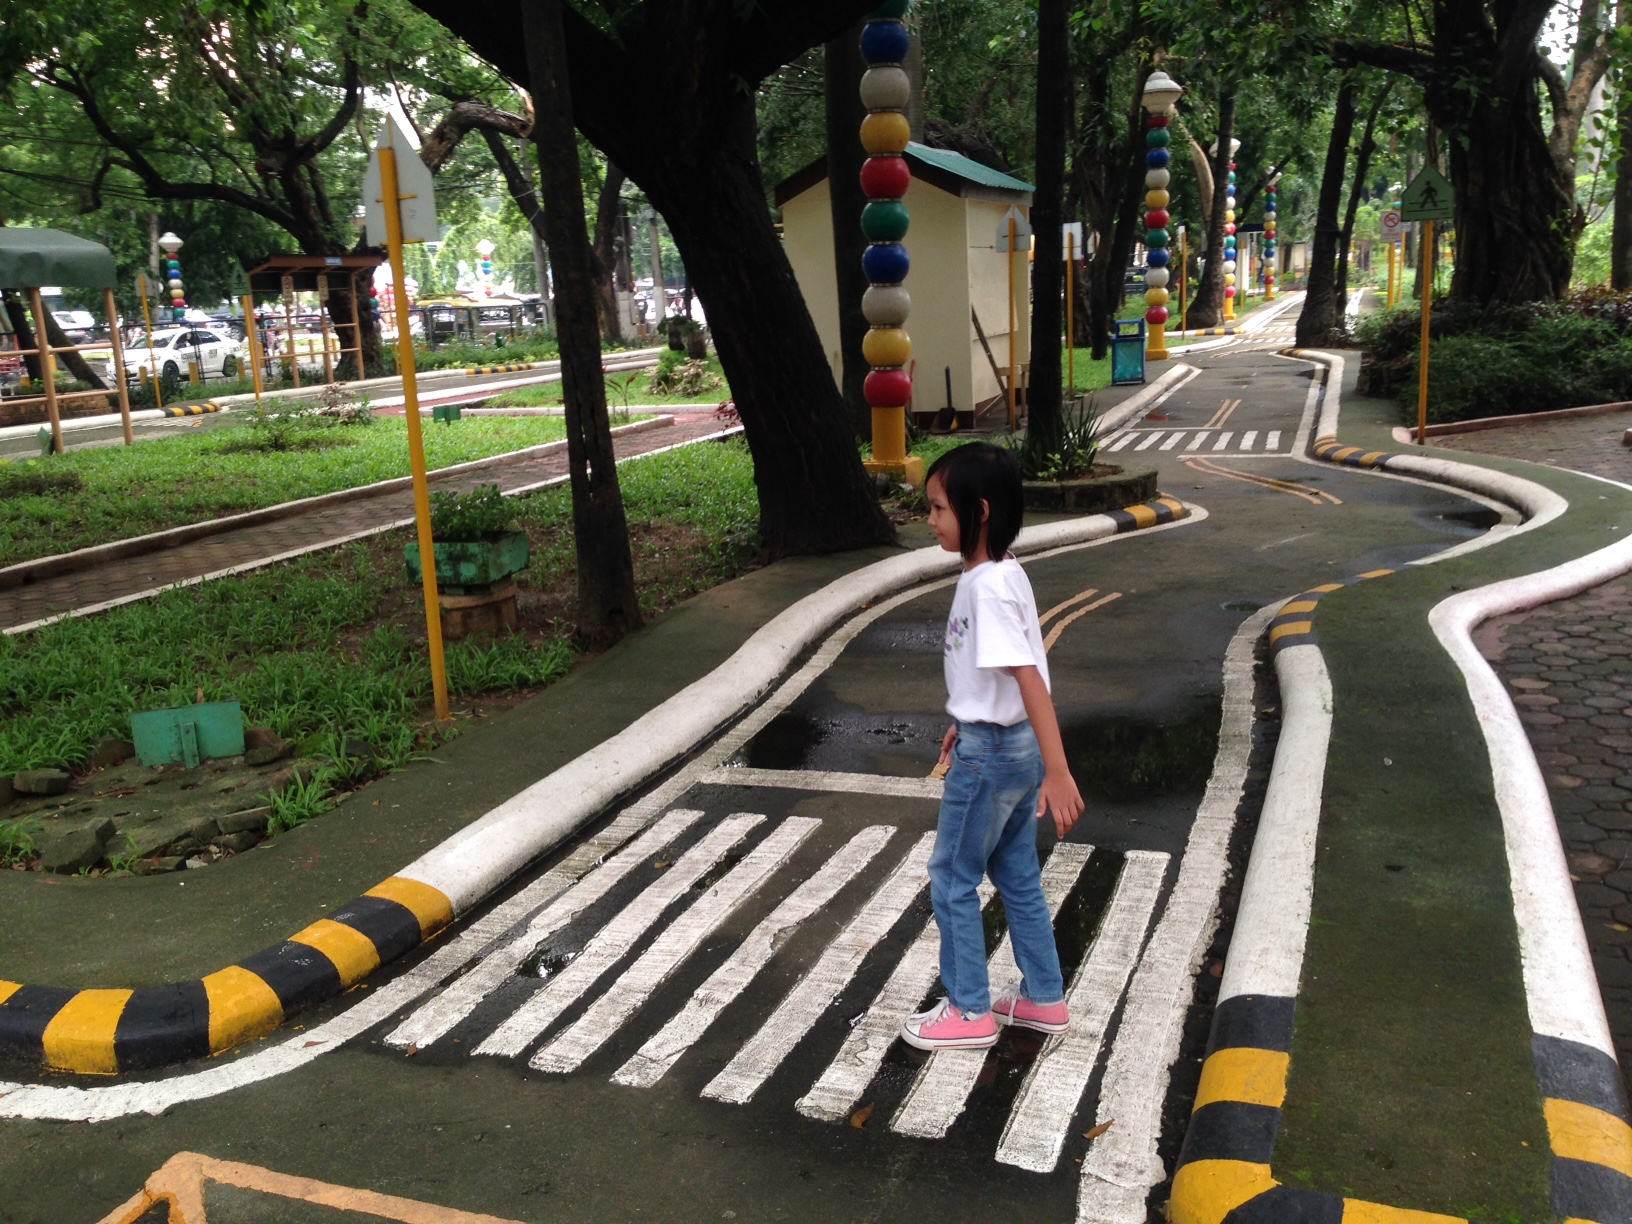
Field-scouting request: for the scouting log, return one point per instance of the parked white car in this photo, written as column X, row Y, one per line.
column 217, row 354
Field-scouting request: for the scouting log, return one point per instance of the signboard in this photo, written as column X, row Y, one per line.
column 1391, row 225
column 1022, row 232
column 1071, row 241
column 415, row 186
column 1428, row 198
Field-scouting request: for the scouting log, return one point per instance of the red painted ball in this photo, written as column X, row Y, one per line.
column 885, row 178
column 1156, row 121
column 1229, row 291
column 888, row 388
column 1156, row 315
column 1157, row 218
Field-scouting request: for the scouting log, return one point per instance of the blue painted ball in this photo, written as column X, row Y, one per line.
column 1157, row 159
column 885, row 263
column 1159, row 258
column 885, row 42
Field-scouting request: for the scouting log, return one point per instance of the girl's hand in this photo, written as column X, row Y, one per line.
column 947, row 740
column 1059, row 794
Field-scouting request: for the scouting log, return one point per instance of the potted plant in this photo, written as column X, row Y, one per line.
column 476, row 541
column 696, row 340
column 1071, row 480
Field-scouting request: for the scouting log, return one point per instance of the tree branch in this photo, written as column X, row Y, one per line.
column 469, row 115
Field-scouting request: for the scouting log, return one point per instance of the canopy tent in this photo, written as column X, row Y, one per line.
column 32, row 258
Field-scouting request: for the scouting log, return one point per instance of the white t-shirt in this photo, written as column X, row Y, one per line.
column 993, row 626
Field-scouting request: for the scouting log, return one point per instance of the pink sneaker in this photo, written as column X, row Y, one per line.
column 1011, row 1007
column 944, row 1027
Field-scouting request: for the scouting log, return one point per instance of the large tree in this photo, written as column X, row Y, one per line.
column 1054, row 105
column 699, row 166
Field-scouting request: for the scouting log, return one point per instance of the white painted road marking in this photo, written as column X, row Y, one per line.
column 1150, row 440
column 1037, row 1126
column 814, row 994
column 682, row 938
column 1121, row 442
column 1248, row 438
column 1173, row 439
column 1223, row 440
column 437, row 1016
column 821, row 780
column 835, row 1094
column 614, row 940
column 1273, row 441
column 943, row 1085
column 1201, row 436
column 662, row 1051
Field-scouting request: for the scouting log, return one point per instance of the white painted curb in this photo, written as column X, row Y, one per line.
column 1138, row 403
column 475, row 861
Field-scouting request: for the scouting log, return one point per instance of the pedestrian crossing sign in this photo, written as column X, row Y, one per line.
column 1428, row 198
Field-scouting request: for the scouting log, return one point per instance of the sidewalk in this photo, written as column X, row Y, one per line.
column 322, row 527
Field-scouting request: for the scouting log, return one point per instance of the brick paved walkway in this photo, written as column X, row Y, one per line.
column 1568, row 666
column 1584, row 444
column 23, row 605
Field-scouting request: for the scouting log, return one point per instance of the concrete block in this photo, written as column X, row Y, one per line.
column 40, row 781
column 251, row 821
column 71, row 852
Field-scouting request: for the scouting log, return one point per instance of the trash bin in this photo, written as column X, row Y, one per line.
column 1128, row 352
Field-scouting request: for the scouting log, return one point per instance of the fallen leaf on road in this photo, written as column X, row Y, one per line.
column 859, row 1118
column 412, row 1050
column 662, row 865
column 1099, row 1130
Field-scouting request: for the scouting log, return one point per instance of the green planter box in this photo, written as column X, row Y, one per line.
column 188, row 734
column 480, row 564
column 1095, row 496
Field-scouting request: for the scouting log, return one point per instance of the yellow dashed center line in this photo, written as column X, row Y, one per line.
column 1315, row 496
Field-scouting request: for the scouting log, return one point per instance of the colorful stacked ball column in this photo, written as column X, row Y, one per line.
column 885, row 90
column 178, row 295
column 1269, row 243
column 1229, row 246
column 1158, row 239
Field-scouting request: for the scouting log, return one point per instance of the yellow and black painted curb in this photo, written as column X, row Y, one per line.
column 1149, row 514
column 1333, row 451
column 1294, row 624
column 1584, row 1100
column 185, row 410
column 106, row 1032
column 472, row 371
column 1209, row 331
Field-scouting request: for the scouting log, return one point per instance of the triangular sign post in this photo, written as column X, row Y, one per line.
column 415, row 186
column 1430, row 197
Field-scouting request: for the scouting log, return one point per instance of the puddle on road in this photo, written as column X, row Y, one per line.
column 1473, row 521
column 1124, row 760
column 791, row 739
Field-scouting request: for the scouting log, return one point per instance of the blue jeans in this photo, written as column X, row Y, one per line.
column 988, row 825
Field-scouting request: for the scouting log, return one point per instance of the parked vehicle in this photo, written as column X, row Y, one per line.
column 216, row 354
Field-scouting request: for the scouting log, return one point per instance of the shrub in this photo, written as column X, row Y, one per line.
column 30, row 479
column 678, row 375
column 469, row 518
column 1497, row 361
column 1077, row 449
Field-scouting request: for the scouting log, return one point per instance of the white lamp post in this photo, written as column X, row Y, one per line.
column 170, row 244
column 1160, row 95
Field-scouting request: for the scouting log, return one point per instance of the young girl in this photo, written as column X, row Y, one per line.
column 1007, row 765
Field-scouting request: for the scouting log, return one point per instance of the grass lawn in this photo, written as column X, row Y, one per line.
column 623, row 387
column 92, row 496
column 332, row 646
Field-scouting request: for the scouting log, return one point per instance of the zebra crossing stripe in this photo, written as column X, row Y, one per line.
column 662, row 1051
column 824, row 780
column 833, row 1096
column 1121, row 442
column 1195, row 443
column 1223, row 439
column 1248, row 438
column 437, row 1016
column 1273, row 441
column 1149, row 441
column 1035, row 1134
column 793, row 1018
column 682, row 938
column 613, row 941
column 943, row 1085
column 1173, row 440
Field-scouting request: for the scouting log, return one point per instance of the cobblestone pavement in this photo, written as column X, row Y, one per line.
column 1568, row 666
column 133, row 575
column 1583, row 444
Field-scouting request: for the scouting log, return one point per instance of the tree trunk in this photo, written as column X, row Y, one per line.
column 1620, row 234
column 1043, row 396
column 1110, row 171
column 22, row 323
column 1207, row 304
column 608, row 232
column 841, row 76
column 1320, row 320
column 608, row 606
column 1362, row 167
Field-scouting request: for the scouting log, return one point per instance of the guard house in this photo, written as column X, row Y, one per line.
column 959, row 280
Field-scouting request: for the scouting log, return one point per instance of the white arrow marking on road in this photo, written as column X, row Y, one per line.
column 613, row 941
column 723, row 986
column 1037, row 1126
column 814, row 994
column 944, row 1083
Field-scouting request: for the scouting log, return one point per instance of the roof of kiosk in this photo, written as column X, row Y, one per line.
column 951, row 172
column 33, row 258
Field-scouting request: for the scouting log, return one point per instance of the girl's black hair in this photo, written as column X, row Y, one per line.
column 980, row 472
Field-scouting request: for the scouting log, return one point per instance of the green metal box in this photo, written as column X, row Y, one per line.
column 480, row 563
column 189, row 734
column 1128, row 352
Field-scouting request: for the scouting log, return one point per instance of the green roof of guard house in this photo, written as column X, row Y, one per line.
column 965, row 167
column 951, row 172
column 32, row 258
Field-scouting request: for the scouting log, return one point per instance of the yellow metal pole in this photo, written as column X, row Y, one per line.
column 289, row 330
column 416, row 442
column 1427, row 303
column 48, row 368
column 323, row 314
column 252, row 333
column 147, row 321
column 1070, row 312
column 1013, row 415
column 119, row 363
